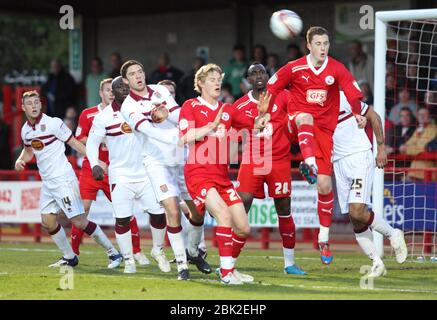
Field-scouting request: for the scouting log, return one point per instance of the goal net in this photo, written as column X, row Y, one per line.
column 406, row 95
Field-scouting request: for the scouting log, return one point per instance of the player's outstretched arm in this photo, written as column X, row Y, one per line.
column 376, row 123
column 77, row 145
column 25, row 156
column 195, row 134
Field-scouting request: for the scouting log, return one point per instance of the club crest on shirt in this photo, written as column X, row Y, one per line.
column 317, row 96
column 225, row 116
column 183, row 124
column 43, row 127
column 125, row 128
column 275, row 107
column 164, row 188
column 329, row 80
column 37, row 144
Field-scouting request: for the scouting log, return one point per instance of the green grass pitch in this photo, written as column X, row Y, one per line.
column 24, row 275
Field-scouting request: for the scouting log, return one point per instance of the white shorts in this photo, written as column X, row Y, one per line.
column 354, row 178
column 164, row 183
column 61, row 193
column 124, row 195
column 177, row 174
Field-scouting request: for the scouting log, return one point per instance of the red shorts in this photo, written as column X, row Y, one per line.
column 198, row 187
column 323, row 142
column 89, row 187
column 278, row 180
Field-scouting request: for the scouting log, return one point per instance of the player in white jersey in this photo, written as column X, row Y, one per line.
column 45, row 137
column 127, row 178
column 144, row 105
column 354, row 167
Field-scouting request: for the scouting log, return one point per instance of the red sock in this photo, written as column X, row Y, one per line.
column 135, row 235
column 224, row 242
column 237, row 244
column 325, row 205
column 306, row 140
column 287, row 230
column 76, row 238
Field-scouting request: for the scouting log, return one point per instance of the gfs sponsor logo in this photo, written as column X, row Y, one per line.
column 37, row 144
column 317, row 96
column 125, row 128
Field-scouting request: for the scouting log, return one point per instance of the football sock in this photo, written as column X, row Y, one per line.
column 123, row 235
column 194, row 237
column 325, row 205
column 177, row 244
column 365, row 241
column 76, row 238
column 99, row 236
column 158, row 229
column 287, row 231
column 306, row 141
column 60, row 238
column 237, row 245
column 135, row 231
column 380, row 225
column 224, row 242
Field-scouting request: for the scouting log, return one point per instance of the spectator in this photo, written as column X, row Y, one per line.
column 272, row 64
column 293, row 52
column 404, row 101
column 165, row 71
column 259, row 54
column 430, row 101
column 60, row 90
column 226, row 94
column 170, row 85
column 398, row 135
column 185, row 88
column 425, row 133
column 92, row 82
column 366, row 91
column 390, row 89
column 116, row 63
column 361, row 64
column 235, row 70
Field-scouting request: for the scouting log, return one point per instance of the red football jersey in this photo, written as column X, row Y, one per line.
column 315, row 91
column 210, row 155
column 83, row 129
column 274, row 141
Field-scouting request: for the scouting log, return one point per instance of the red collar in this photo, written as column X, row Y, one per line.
column 115, row 106
column 139, row 98
column 37, row 120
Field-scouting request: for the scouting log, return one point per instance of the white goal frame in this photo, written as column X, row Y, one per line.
column 381, row 20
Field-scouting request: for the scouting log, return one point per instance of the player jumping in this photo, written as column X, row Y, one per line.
column 314, row 82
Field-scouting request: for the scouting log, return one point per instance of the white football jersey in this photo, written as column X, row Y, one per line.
column 47, row 139
column 135, row 110
column 348, row 138
column 125, row 160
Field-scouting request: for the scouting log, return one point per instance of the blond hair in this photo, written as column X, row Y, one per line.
column 102, row 83
column 29, row 94
column 202, row 73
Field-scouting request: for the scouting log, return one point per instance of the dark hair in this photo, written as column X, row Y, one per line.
column 406, row 109
column 99, row 61
column 240, row 47
column 167, row 83
column 127, row 64
column 313, row 31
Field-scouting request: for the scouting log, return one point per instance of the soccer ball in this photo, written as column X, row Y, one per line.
column 285, row 24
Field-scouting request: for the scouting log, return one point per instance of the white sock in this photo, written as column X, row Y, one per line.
column 311, row 161
column 380, row 225
column 202, row 244
column 323, row 234
column 194, row 238
column 288, row 257
column 61, row 240
column 124, row 241
column 100, row 237
column 177, row 244
column 227, row 263
column 158, row 238
column 365, row 240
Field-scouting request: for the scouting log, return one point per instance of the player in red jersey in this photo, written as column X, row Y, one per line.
column 266, row 158
column 313, row 108
column 206, row 170
column 87, row 184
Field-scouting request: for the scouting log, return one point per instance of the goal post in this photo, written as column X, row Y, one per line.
column 382, row 18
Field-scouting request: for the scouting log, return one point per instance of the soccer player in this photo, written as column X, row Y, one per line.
column 354, row 167
column 145, row 105
column 127, row 177
column 314, row 81
column 88, row 186
column 266, row 158
column 206, row 170
column 45, row 137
